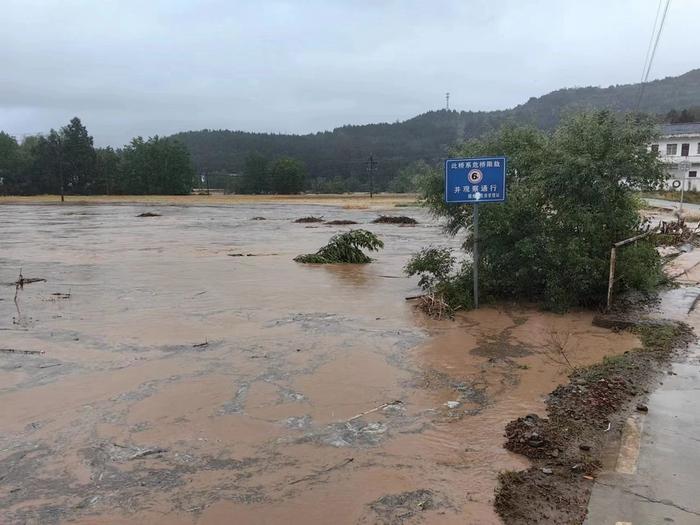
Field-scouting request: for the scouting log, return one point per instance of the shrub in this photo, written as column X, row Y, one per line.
column 344, row 248
column 571, row 195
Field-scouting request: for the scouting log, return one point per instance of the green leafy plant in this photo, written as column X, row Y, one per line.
column 447, row 286
column 344, row 248
column 571, row 195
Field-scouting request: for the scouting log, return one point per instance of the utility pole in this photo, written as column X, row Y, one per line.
column 447, row 101
column 371, row 168
column 683, row 167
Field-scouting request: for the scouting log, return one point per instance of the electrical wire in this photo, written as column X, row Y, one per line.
column 645, row 76
column 651, row 40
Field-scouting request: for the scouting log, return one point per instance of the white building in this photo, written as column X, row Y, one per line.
column 679, row 148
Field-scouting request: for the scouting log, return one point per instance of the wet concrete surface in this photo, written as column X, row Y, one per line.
column 654, row 477
column 180, row 385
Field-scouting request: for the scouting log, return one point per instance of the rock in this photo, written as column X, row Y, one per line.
column 546, row 470
column 535, row 442
column 584, row 447
column 642, row 408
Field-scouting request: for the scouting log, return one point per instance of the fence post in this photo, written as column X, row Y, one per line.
column 611, row 277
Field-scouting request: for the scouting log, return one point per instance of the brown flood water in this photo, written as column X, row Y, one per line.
column 320, row 396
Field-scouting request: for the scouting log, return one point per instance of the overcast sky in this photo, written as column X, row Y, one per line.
column 150, row 67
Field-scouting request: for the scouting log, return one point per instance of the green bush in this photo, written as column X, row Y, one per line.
column 571, row 195
column 439, row 276
column 344, row 248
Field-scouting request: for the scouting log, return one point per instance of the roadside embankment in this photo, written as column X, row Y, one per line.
column 566, row 447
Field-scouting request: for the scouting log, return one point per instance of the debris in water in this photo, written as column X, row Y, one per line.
column 394, row 219
column 23, row 352
column 21, row 281
column 340, row 222
column 398, row 508
column 310, row 218
column 258, row 219
column 324, row 471
column 201, row 345
column 380, row 407
column 148, row 214
column 148, row 452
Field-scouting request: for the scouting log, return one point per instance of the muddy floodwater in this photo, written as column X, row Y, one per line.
column 180, row 382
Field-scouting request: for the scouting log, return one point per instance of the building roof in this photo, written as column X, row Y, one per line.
column 690, row 128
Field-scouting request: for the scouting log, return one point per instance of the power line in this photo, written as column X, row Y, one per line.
column 645, row 75
column 651, row 41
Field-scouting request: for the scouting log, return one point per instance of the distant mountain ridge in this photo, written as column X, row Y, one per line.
column 341, row 154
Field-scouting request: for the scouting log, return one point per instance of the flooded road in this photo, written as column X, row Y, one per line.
column 181, row 385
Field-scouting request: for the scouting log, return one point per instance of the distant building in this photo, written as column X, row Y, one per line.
column 679, row 149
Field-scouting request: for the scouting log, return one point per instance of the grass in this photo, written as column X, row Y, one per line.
column 658, row 340
column 662, row 337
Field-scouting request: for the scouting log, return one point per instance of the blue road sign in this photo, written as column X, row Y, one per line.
column 475, row 180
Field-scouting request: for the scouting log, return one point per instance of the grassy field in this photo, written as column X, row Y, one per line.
column 358, row 201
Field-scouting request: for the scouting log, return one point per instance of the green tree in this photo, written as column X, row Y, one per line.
column 287, row 176
column 77, row 158
column 571, row 194
column 255, row 177
column 46, row 173
column 107, row 171
column 407, row 179
column 11, row 164
column 155, row 166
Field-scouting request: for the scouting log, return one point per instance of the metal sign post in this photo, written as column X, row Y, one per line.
column 474, row 181
column 475, row 269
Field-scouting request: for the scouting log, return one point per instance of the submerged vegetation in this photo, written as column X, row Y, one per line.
column 309, row 219
column 345, row 248
column 394, row 219
column 571, row 194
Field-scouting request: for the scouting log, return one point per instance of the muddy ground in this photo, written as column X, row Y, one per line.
column 584, row 419
column 180, row 385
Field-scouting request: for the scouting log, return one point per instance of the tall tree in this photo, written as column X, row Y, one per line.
column 156, row 166
column 287, row 176
column 255, row 174
column 10, row 164
column 77, row 157
column 107, row 171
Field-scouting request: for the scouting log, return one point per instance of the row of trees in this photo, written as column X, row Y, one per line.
column 67, row 162
column 683, row 116
column 286, row 175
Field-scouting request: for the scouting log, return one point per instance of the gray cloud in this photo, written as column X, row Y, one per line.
column 156, row 67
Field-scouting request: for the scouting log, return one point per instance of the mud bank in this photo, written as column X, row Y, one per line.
column 319, row 391
column 583, row 416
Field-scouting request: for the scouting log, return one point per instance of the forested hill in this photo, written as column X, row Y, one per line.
column 341, row 154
